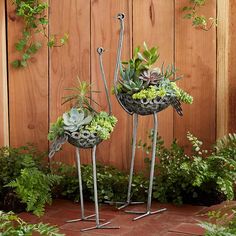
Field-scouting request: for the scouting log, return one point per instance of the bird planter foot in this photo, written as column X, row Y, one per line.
column 85, row 218
column 144, row 214
column 123, row 204
column 101, row 226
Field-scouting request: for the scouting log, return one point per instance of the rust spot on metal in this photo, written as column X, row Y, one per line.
column 152, row 13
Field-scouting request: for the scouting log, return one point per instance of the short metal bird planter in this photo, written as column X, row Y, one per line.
column 83, row 127
column 144, row 90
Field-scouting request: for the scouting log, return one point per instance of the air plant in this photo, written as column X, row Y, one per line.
column 81, row 96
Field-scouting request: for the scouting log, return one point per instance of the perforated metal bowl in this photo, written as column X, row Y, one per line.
column 144, row 106
column 81, row 139
column 84, row 139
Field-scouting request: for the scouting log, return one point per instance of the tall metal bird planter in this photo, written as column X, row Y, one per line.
column 83, row 138
column 138, row 76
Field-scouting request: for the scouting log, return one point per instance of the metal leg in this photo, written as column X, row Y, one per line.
column 98, row 225
column 83, row 217
column 134, row 140
column 148, row 211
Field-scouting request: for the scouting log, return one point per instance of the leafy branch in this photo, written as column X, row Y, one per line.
column 198, row 21
column 33, row 14
column 11, row 224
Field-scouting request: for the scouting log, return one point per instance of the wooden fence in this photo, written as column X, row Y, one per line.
column 31, row 98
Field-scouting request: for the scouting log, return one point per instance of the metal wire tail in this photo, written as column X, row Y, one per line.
column 100, row 51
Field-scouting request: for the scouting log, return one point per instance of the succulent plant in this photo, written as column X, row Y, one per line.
column 102, row 124
column 74, row 119
column 56, row 129
column 132, row 86
column 151, row 76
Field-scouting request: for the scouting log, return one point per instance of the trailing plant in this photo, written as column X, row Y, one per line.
column 142, row 80
column 33, row 14
column 33, row 187
column 198, row 21
column 188, row 178
column 13, row 225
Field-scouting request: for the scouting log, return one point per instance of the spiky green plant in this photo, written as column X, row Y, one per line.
column 81, row 96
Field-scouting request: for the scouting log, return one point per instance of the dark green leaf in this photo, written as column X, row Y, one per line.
column 16, row 63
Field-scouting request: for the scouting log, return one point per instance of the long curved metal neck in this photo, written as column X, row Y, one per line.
column 100, row 52
column 120, row 17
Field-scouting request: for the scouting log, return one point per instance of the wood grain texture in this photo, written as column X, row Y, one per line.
column 153, row 22
column 4, row 125
column 35, row 90
column 28, row 89
column 69, row 61
column 195, row 56
column 222, row 68
column 232, row 68
column 105, row 32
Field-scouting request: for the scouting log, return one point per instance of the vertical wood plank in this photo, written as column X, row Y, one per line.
column 69, row 61
column 105, row 33
column 195, row 56
column 232, row 68
column 222, row 67
column 4, row 126
column 28, row 90
column 153, row 22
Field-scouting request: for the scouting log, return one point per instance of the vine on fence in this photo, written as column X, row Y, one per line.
column 33, row 14
column 198, row 21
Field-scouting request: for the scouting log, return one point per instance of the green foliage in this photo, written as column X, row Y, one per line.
column 131, row 86
column 183, row 177
column 33, row 13
column 23, row 173
column 56, row 129
column 112, row 183
column 12, row 160
column 102, row 124
column 142, row 60
column 82, row 95
column 12, row 225
column 150, row 93
column 33, row 187
column 198, row 21
column 222, row 222
column 130, row 70
column 182, row 95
